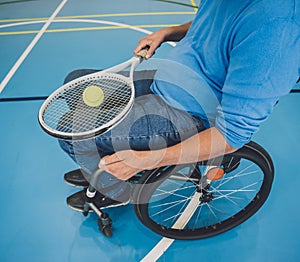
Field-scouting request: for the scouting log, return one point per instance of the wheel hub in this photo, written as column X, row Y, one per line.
column 206, row 197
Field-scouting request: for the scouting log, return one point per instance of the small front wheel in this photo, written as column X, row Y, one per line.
column 105, row 225
column 107, row 231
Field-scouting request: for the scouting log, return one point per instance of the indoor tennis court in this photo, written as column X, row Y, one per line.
column 40, row 43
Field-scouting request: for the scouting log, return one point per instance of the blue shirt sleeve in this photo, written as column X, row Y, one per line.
column 263, row 66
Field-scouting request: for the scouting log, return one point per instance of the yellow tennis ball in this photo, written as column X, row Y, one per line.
column 93, row 96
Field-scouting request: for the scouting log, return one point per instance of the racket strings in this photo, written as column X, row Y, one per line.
column 68, row 113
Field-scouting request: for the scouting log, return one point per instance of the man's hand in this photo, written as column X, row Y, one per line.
column 154, row 40
column 125, row 164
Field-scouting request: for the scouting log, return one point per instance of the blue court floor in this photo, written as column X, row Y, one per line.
column 36, row 224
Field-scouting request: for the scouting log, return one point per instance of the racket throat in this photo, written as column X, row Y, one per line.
column 137, row 61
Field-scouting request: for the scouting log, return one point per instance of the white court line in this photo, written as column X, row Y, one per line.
column 160, row 248
column 181, row 222
column 30, row 46
column 85, row 21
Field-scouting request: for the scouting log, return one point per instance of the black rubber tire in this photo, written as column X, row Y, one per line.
column 107, row 231
column 251, row 153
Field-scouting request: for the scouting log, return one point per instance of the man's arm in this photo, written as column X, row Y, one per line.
column 154, row 40
column 202, row 146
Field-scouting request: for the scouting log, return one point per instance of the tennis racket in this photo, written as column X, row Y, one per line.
column 90, row 105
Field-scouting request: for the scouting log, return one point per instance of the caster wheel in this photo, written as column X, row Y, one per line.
column 85, row 213
column 105, row 225
column 107, row 231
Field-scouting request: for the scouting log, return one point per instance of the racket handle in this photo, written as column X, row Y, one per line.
column 142, row 53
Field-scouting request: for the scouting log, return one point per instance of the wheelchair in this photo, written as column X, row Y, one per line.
column 182, row 202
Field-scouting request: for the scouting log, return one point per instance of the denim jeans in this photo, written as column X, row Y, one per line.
column 151, row 124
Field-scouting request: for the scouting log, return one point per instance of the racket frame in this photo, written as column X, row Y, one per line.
column 132, row 63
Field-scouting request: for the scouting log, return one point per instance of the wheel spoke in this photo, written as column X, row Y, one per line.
column 172, row 192
column 240, row 174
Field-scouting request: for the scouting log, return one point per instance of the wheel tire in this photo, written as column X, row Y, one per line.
column 107, row 231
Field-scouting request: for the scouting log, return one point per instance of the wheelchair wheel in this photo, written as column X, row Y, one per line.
column 179, row 202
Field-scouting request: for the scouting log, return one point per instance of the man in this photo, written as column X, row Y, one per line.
column 208, row 98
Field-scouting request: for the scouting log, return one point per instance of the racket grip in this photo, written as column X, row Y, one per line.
column 142, row 53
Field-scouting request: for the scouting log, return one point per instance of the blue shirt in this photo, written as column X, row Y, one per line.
column 237, row 59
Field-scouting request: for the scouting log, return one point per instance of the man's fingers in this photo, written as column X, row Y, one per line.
column 152, row 45
column 142, row 44
column 109, row 160
column 150, row 52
